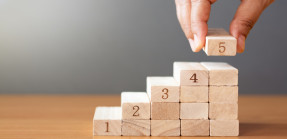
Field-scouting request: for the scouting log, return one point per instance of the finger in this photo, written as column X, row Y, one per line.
column 200, row 10
column 245, row 17
column 183, row 14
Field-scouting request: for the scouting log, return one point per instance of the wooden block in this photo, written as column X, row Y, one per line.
column 164, row 111
column 135, row 105
column 224, row 111
column 194, row 127
column 136, row 128
column 163, row 89
column 165, row 127
column 193, row 94
column 220, row 43
column 190, row 73
column 224, row 127
column 107, row 121
column 193, row 110
column 223, row 94
column 221, row 73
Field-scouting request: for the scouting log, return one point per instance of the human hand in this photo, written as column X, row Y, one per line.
column 194, row 14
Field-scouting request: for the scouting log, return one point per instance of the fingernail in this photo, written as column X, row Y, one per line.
column 196, row 41
column 241, row 44
column 191, row 43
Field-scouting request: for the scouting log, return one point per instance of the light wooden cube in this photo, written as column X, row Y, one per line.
column 223, row 94
column 136, row 127
column 221, row 73
column 135, row 105
column 107, row 121
column 194, row 127
column 163, row 89
column 193, row 94
column 165, row 127
column 190, row 73
column 224, row 127
column 224, row 111
column 193, row 110
column 164, row 111
column 220, row 43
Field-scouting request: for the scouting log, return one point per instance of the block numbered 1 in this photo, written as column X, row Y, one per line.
column 163, row 89
column 107, row 121
column 135, row 105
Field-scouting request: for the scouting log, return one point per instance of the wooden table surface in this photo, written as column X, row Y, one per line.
column 70, row 116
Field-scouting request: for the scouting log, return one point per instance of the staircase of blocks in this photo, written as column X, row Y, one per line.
column 201, row 99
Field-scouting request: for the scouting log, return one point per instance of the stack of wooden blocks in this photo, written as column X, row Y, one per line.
column 201, row 99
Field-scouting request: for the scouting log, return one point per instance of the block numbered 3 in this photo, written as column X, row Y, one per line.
column 163, row 89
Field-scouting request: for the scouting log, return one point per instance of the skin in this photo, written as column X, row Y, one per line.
column 193, row 16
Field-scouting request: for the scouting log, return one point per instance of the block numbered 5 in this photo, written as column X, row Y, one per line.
column 220, row 43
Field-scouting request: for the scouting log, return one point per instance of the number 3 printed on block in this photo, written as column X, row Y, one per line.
column 165, row 93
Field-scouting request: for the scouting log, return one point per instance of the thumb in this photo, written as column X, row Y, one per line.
column 246, row 16
column 200, row 10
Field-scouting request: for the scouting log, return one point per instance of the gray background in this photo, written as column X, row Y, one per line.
column 100, row 46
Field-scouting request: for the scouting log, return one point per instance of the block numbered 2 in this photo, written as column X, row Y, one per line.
column 135, row 105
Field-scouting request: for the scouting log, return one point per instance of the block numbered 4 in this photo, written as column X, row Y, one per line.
column 190, row 73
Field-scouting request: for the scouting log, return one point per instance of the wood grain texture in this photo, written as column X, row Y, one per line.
column 70, row 116
column 194, row 127
column 223, row 94
column 135, row 105
column 224, row 127
column 193, row 110
column 164, row 111
column 165, row 127
column 225, row 111
column 163, row 89
column 220, row 43
column 221, row 73
column 136, row 127
column 193, row 94
column 190, row 73
column 107, row 121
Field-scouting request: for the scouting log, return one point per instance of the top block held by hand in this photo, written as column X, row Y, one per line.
column 220, row 43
